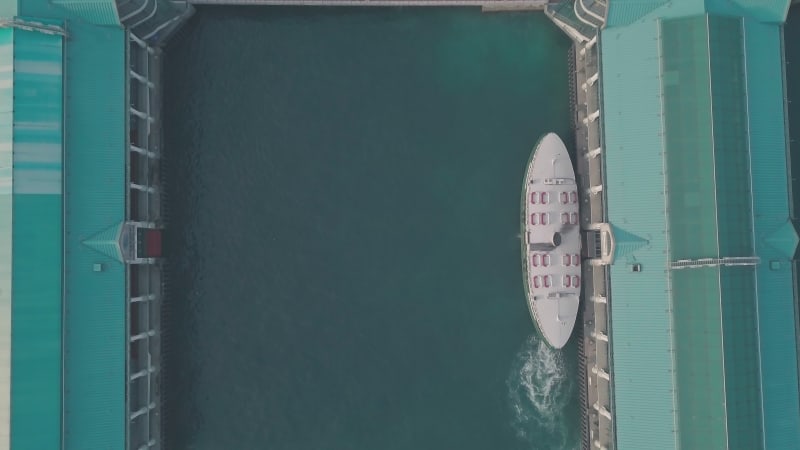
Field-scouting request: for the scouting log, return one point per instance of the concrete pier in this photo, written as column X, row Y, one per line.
column 594, row 346
column 486, row 5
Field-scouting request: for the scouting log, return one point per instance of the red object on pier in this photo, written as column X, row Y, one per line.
column 152, row 242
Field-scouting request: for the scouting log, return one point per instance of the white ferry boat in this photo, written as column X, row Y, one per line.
column 551, row 242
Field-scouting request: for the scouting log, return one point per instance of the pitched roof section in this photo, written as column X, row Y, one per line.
column 97, row 12
column 36, row 143
column 768, row 143
column 625, row 243
column 784, row 239
column 95, row 309
column 106, row 242
column 644, row 396
column 6, row 158
column 625, row 12
column 773, row 11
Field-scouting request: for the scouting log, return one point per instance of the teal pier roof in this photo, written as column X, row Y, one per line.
column 704, row 356
column 31, row 121
column 63, row 128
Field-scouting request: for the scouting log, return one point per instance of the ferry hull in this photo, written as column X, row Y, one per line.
column 551, row 244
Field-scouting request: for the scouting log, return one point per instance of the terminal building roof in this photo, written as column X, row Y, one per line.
column 695, row 144
column 63, row 121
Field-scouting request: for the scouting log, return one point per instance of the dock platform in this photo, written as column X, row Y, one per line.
column 485, row 5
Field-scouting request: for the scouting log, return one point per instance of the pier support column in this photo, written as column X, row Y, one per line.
column 142, row 373
column 143, row 411
column 591, row 43
column 591, row 117
column 141, row 79
column 594, row 153
column 142, row 261
column 140, row 43
column 593, row 79
column 143, row 298
column 150, row 444
column 140, row 224
column 601, row 373
column 147, row 153
column 141, row 115
column 598, row 299
column 145, row 335
column 600, row 336
column 148, row 189
column 590, row 81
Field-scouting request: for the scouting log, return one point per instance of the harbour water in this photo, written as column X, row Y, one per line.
column 343, row 255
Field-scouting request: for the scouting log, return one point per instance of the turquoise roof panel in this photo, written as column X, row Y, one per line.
column 98, row 12
column 784, row 239
column 641, row 328
column 625, row 12
column 106, row 242
column 699, row 362
column 36, row 312
column 742, row 372
column 766, row 10
column 6, row 216
column 768, row 153
column 688, row 138
column 626, row 243
column 8, row 8
column 95, row 302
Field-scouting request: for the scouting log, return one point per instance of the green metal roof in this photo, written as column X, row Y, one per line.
column 98, row 12
column 106, row 242
column 766, row 10
column 625, row 12
column 784, row 240
column 95, row 305
column 6, row 216
column 36, row 276
column 644, row 394
column 625, row 243
column 685, row 127
column 768, row 147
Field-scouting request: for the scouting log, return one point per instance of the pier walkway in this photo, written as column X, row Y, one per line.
column 486, row 5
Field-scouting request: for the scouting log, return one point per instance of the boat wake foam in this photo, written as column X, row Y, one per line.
column 538, row 392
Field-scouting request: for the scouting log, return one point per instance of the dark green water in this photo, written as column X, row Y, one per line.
column 343, row 238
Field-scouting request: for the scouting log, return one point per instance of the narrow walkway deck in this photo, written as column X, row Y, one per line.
column 487, row 5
